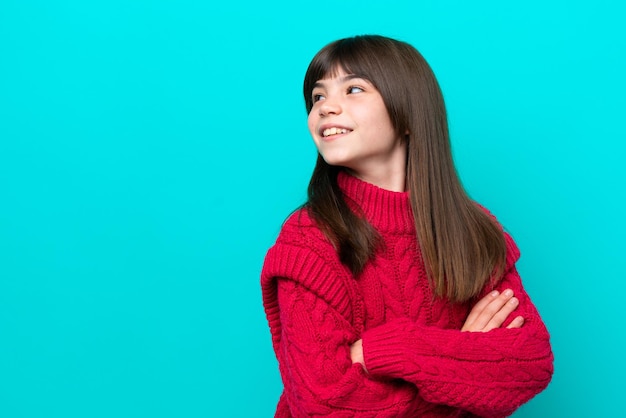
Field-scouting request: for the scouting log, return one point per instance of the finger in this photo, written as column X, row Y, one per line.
column 356, row 352
column 491, row 310
column 479, row 307
column 516, row 323
column 499, row 317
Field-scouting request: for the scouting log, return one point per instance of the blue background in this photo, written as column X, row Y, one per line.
column 150, row 150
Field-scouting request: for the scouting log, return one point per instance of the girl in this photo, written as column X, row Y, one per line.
column 391, row 293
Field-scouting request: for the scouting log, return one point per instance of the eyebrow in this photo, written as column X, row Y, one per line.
column 341, row 80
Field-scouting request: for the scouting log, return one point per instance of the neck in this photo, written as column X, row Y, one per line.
column 392, row 181
column 386, row 210
column 387, row 172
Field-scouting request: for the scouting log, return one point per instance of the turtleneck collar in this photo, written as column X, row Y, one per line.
column 386, row 210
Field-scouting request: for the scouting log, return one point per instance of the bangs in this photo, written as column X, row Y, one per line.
column 352, row 56
column 394, row 68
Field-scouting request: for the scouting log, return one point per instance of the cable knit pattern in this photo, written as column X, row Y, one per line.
column 419, row 363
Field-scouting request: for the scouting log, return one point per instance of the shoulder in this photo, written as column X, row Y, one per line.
column 301, row 229
column 304, row 256
column 487, row 211
column 512, row 251
column 298, row 220
column 300, row 249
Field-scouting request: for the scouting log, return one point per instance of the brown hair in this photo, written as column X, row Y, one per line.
column 461, row 245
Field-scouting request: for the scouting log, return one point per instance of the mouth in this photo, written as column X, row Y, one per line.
column 328, row 132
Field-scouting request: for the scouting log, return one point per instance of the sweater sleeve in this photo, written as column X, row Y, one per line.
column 488, row 374
column 315, row 364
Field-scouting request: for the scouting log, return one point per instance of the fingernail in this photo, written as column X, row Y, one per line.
column 513, row 301
column 508, row 292
column 494, row 293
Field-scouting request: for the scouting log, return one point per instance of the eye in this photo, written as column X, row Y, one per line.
column 355, row 89
column 317, row 97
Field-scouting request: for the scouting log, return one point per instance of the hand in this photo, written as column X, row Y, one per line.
column 356, row 353
column 491, row 311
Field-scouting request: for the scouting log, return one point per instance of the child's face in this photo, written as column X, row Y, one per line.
column 351, row 127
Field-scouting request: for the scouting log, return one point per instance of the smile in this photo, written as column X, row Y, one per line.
column 334, row 131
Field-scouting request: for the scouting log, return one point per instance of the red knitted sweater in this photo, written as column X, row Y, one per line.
column 418, row 361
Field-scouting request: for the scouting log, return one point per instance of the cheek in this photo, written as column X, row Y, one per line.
column 312, row 123
column 382, row 123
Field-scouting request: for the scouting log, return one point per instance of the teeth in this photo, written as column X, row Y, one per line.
column 333, row 131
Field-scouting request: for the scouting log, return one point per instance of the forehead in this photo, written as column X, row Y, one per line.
column 340, row 76
column 335, row 72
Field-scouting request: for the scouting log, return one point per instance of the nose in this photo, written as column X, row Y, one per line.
column 330, row 106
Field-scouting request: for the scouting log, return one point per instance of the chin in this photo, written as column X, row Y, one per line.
column 337, row 160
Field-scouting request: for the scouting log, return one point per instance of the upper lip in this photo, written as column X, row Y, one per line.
column 330, row 125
